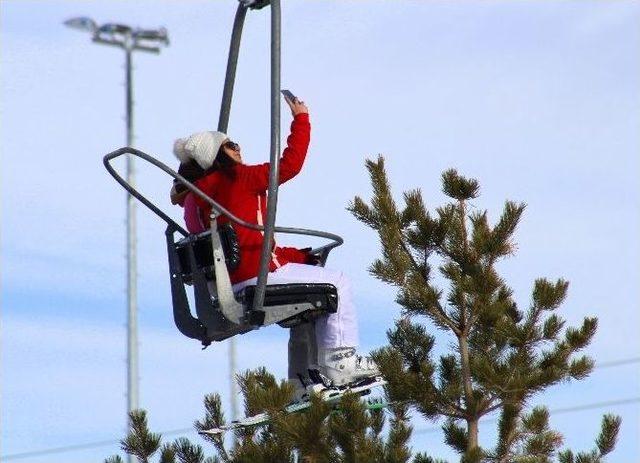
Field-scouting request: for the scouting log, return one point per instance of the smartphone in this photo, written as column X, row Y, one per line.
column 289, row 96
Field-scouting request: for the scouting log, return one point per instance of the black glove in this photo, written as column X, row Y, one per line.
column 310, row 259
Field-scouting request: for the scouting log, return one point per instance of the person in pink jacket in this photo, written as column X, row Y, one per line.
column 215, row 164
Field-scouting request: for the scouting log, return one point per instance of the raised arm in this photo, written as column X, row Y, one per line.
column 293, row 155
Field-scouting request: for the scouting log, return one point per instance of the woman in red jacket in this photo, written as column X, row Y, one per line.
column 215, row 164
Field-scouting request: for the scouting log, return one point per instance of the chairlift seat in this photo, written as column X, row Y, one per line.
column 193, row 264
column 204, row 261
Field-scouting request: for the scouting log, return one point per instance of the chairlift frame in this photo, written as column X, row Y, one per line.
column 221, row 313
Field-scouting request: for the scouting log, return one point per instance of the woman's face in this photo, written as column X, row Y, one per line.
column 232, row 150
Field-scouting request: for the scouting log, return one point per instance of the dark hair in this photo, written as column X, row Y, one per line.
column 224, row 164
column 189, row 170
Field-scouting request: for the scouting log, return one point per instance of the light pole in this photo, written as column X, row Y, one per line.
column 129, row 40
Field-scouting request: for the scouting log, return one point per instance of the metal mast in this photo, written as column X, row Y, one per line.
column 128, row 39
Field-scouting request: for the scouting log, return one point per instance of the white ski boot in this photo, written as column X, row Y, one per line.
column 302, row 393
column 343, row 366
column 299, row 391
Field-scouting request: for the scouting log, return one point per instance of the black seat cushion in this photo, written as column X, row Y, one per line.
column 320, row 295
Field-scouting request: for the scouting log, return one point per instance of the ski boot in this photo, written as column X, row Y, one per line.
column 303, row 388
column 343, row 367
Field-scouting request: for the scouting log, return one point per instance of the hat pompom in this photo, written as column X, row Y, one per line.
column 179, row 150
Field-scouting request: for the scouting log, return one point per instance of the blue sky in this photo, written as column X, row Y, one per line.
column 537, row 100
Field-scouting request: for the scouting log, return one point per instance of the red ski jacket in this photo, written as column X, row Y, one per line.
column 244, row 194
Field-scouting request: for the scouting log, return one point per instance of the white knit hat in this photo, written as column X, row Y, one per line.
column 201, row 147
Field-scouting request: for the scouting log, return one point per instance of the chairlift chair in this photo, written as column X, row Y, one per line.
column 204, row 260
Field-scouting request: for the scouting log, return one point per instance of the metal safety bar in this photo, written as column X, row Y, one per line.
column 194, row 189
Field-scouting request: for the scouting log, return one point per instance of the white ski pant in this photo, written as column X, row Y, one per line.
column 339, row 329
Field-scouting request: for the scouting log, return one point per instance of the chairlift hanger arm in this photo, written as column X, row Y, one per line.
column 232, row 64
column 232, row 60
column 223, row 122
column 274, row 171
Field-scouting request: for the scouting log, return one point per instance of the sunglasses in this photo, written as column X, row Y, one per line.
column 231, row 145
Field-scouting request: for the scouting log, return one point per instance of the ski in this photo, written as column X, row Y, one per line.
column 330, row 394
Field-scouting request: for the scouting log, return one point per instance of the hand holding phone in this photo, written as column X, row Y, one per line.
column 289, row 96
column 297, row 106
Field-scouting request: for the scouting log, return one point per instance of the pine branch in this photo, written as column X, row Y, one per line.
column 214, row 418
column 139, row 441
column 566, row 457
column 490, row 406
column 457, row 187
column 549, row 296
column 580, row 338
column 307, row 432
column 377, row 423
column 539, row 440
column 581, row 368
column 262, row 392
column 188, row 452
column 424, row 299
column 508, row 432
column 499, row 242
column 363, row 213
column 349, row 426
column 424, row 458
column 396, row 449
column 456, row 436
column 168, row 454
column 606, row 441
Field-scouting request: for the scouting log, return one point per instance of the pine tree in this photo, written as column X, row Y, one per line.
column 323, row 434
column 502, row 355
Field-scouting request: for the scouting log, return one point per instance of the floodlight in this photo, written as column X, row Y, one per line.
column 114, row 28
column 158, row 35
column 82, row 23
